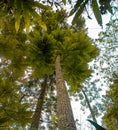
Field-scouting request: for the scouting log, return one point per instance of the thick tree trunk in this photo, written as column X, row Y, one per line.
column 37, row 113
column 64, row 110
column 87, row 100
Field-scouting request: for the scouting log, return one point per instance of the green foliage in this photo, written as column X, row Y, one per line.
column 26, row 10
column 55, row 20
column 23, row 10
column 111, row 115
column 80, row 25
column 11, row 109
column 13, row 48
column 98, row 9
column 79, row 7
column 39, row 51
column 13, row 63
column 40, row 54
column 79, row 51
column 96, row 12
column 64, row 1
column 69, row 45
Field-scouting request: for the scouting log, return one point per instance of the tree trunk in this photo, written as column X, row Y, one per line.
column 64, row 110
column 87, row 100
column 37, row 113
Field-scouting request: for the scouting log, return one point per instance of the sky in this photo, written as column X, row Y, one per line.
column 94, row 28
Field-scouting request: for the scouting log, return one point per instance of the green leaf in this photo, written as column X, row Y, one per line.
column 96, row 12
column 27, row 20
column 39, row 5
column 78, row 14
column 11, row 3
column 3, row 120
column 37, row 18
column 64, row 1
column 17, row 22
column 109, row 9
column 54, row 119
column 98, row 127
column 77, row 5
column 42, row 25
column 18, row 15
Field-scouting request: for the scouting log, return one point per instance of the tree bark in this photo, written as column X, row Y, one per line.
column 37, row 114
column 64, row 110
column 87, row 100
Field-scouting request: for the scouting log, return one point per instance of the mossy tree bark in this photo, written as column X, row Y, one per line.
column 37, row 114
column 64, row 110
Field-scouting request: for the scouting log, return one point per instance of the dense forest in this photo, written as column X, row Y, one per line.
column 44, row 62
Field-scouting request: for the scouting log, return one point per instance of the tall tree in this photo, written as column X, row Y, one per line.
column 44, row 48
column 64, row 110
column 37, row 114
column 63, row 44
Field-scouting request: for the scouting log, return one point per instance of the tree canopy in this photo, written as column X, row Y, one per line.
column 40, row 48
column 40, row 53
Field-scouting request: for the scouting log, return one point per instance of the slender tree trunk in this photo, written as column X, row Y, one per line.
column 87, row 100
column 64, row 110
column 37, row 113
